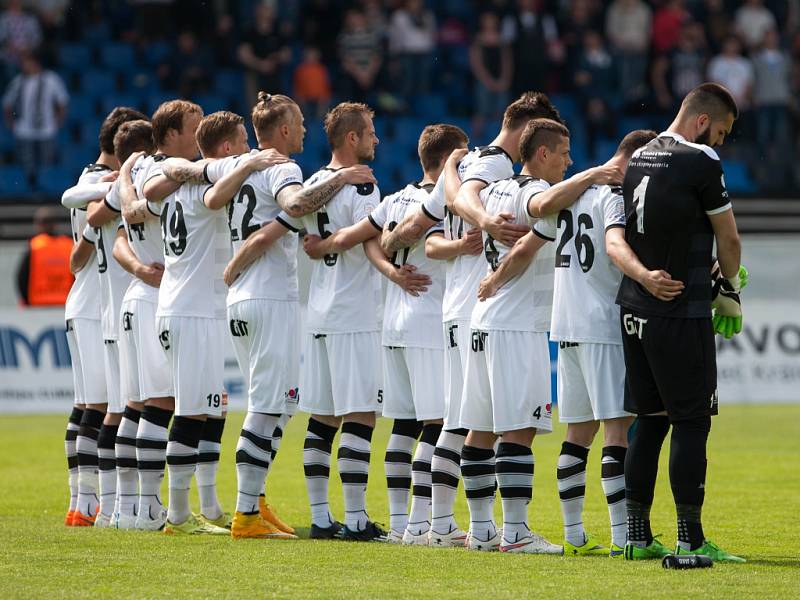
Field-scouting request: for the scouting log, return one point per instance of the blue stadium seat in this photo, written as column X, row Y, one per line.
column 54, row 180
column 109, row 102
column 212, row 103
column 81, row 108
column 88, row 132
column 153, row 101
column 157, row 52
column 74, row 56
column 118, row 56
column 97, row 83
column 228, row 82
column 13, row 181
column 737, row 177
column 433, row 106
column 6, row 139
column 407, row 130
column 604, row 149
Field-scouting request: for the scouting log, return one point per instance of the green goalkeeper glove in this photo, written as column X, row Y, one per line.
column 727, row 305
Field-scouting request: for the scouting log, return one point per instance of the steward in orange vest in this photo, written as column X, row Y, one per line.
column 44, row 278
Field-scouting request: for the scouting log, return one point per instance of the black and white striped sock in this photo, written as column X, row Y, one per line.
column 514, row 471
column 478, row 472
column 317, row 467
column 107, row 468
column 397, row 466
column 151, row 459
column 253, row 457
column 445, row 475
column 277, row 436
column 419, row 519
column 572, row 490
column 613, row 479
column 353, row 462
column 184, row 438
column 207, row 466
column 86, row 447
column 127, row 470
column 71, row 450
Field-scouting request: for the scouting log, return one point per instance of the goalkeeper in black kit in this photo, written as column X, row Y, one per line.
column 676, row 208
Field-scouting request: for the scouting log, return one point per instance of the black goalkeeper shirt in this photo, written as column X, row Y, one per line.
column 670, row 189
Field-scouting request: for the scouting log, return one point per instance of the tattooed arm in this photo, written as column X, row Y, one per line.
column 181, row 170
column 299, row 201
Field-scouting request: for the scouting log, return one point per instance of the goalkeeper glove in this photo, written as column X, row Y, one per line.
column 727, row 305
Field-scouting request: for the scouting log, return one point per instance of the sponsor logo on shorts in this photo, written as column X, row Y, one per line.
column 293, row 395
column 633, row 325
column 238, row 328
column 163, row 337
column 127, row 321
column 479, row 340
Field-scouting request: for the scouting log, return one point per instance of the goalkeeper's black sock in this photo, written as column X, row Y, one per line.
column 641, row 469
column 687, row 474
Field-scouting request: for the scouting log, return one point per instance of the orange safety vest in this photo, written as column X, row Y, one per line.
column 50, row 278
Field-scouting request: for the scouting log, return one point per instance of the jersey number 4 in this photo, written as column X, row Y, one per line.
column 584, row 249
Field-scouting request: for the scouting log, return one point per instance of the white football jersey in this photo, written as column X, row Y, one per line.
column 145, row 238
column 345, row 291
column 464, row 273
column 83, row 300
column 586, row 281
column 273, row 276
column 411, row 321
column 196, row 250
column 525, row 302
column 114, row 280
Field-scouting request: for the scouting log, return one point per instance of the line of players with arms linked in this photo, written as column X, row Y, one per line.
column 172, row 254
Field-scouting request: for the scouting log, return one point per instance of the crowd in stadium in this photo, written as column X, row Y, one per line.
column 614, row 66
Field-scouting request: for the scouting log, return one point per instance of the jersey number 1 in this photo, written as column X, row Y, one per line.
column 639, row 194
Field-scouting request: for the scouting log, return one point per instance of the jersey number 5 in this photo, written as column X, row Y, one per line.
column 639, row 194
column 322, row 220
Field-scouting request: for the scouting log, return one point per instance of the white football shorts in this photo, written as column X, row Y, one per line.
column 591, row 382
column 195, row 349
column 85, row 340
column 456, row 351
column 144, row 367
column 413, row 387
column 507, row 382
column 341, row 373
column 265, row 336
column 111, row 362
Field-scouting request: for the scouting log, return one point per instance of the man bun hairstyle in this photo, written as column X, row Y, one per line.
column 169, row 115
column 344, row 118
column 111, row 124
column 216, row 128
column 540, row 132
column 635, row 140
column 133, row 136
column 270, row 111
column 530, row 105
column 437, row 142
column 712, row 99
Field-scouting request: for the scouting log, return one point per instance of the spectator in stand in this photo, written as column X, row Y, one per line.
column 753, row 20
column 375, row 14
column 323, row 29
column 734, row 71
column 188, row 69
column 771, row 99
column 718, row 23
column 264, row 52
column 43, row 275
column 492, row 65
column 360, row 56
column 20, row 34
column 34, row 106
column 598, row 87
column 581, row 20
column 667, row 24
column 628, row 28
column 312, row 85
column 679, row 72
column 154, row 19
column 533, row 35
column 412, row 40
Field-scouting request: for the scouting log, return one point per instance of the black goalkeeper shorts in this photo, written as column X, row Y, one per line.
column 671, row 364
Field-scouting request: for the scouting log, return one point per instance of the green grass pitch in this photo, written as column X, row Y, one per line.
column 753, row 499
